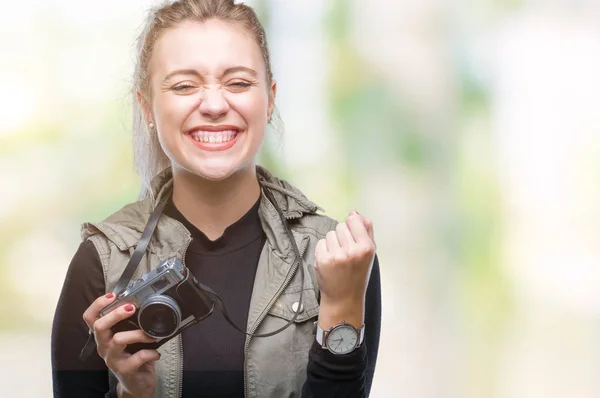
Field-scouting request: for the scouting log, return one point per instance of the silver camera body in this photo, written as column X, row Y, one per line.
column 168, row 299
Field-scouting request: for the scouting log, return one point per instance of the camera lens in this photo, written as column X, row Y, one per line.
column 159, row 316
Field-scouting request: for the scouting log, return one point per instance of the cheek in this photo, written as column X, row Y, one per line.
column 171, row 111
column 253, row 108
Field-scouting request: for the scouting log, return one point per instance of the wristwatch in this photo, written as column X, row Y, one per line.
column 341, row 339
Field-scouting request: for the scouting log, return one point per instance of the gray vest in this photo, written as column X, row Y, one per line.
column 273, row 366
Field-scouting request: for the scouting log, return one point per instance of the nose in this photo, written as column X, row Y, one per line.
column 214, row 105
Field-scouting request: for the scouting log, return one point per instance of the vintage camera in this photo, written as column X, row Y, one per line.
column 168, row 299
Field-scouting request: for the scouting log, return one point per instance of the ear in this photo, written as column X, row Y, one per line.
column 272, row 93
column 144, row 106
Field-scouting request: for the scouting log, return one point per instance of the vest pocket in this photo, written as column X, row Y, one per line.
column 298, row 337
column 289, row 302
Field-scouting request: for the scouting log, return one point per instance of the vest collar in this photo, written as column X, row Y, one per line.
column 125, row 227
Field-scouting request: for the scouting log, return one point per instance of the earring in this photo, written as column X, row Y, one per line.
column 151, row 125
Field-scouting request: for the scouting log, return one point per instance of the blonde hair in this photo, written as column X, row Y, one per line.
column 149, row 158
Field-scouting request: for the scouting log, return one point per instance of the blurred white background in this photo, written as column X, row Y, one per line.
column 468, row 131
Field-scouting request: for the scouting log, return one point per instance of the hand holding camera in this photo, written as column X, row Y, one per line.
column 135, row 372
column 165, row 301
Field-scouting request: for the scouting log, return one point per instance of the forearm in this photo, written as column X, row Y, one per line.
column 330, row 375
column 72, row 377
column 350, row 375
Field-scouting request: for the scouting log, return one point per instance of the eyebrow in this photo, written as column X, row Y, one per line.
column 227, row 71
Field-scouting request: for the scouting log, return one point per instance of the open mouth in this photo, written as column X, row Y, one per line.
column 214, row 138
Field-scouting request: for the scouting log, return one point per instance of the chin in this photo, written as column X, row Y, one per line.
column 214, row 172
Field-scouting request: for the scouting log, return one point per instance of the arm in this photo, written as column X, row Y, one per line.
column 351, row 375
column 83, row 283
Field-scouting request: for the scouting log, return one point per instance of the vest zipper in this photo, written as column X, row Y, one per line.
column 180, row 378
column 264, row 313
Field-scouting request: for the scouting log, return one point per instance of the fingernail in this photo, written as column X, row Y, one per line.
column 110, row 295
column 129, row 307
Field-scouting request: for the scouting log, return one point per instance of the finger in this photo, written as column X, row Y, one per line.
column 320, row 251
column 367, row 223
column 137, row 360
column 102, row 327
column 333, row 245
column 92, row 313
column 369, row 226
column 343, row 235
column 357, row 229
column 122, row 339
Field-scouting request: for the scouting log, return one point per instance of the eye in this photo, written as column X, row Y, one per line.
column 182, row 87
column 239, row 85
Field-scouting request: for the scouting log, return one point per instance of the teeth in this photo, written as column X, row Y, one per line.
column 213, row 136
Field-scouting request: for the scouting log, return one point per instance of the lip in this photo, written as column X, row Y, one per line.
column 207, row 127
column 212, row 147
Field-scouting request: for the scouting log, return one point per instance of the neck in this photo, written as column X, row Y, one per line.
column 212, row 206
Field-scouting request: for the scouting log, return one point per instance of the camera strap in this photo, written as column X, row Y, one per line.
column 140, row 249
column 298, row 259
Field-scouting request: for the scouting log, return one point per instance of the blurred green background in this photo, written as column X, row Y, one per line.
column 468, row 131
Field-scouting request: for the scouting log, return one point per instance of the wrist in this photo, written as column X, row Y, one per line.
column 334, row 313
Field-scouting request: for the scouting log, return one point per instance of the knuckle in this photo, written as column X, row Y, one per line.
column 340, row 257
column 353, row 252
column 330, row 257
column 325, row 259
column 366, row 250
column 359, row 252
column 145, row 356
column 119, row 339
column 97, row 326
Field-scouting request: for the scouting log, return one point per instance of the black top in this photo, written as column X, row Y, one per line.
column 214, row 351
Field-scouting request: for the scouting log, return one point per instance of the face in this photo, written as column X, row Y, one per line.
column 210, row 98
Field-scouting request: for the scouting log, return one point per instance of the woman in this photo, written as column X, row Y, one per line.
column 205, row 94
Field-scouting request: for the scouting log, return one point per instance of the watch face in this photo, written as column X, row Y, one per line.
column 342, row 339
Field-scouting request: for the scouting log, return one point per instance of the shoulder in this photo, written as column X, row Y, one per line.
column 123, row 227
column 315, row 224
column 301, row 212
column 132, row 217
